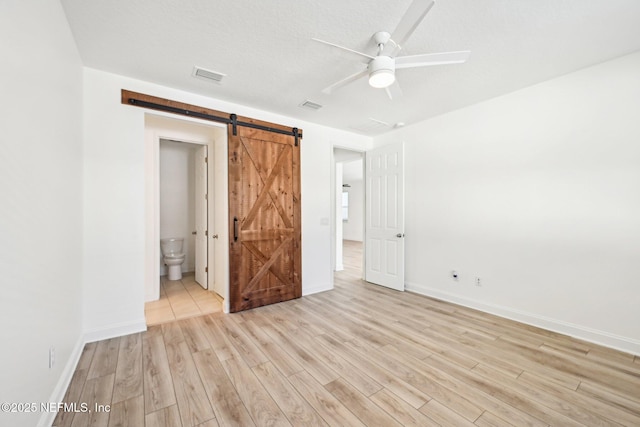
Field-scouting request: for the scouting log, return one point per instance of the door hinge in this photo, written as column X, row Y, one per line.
column 206, row 197
column 206, row 232
column 206, row 160
column 206, row 269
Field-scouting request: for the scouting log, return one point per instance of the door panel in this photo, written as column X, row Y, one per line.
column 264, row 216
column 201, row 216
column 384, row 247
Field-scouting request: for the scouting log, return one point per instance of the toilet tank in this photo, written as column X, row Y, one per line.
column 171, row 245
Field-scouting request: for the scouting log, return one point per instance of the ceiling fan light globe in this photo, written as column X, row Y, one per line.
column 381, row 78
column 382, row 72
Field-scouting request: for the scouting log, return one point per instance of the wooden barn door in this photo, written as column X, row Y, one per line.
column 265, row 257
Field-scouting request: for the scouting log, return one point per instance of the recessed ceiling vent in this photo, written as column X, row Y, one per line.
column 212, row 76
column 311, row 105
column 371, row 126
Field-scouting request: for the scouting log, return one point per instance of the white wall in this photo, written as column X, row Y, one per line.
column 353, row 228
column 41, row 204
column 537, row 193
column 177, row 197
column 115, row 197
column 114, row 208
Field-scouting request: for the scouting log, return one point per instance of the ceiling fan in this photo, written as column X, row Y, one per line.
column 381, row 67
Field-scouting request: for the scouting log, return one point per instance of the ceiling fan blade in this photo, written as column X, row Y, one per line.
column 344, row 48
column 428, row 59
column 394, row 91
column 352, row 78
column 408, row 24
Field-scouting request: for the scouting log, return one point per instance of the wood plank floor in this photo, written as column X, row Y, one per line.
column 357, row 355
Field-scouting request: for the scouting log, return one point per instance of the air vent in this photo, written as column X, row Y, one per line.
column 311, row 105
column 371, row 126
column 212, row 76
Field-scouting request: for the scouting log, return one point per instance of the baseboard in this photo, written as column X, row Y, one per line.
column 316, row 289
column 47, row 418
column 595, row 336
column 116, row 330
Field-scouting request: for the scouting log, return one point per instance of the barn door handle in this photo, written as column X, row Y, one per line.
column 235, row 229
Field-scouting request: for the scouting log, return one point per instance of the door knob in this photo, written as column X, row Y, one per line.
column 400, row 235
column 194, row 232
column 215, row 236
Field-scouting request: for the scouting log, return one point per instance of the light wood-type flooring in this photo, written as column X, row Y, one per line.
column 180, row 299
column 357, row 355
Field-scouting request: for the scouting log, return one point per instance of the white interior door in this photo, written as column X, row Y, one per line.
column 384, row 229
column 200, row 169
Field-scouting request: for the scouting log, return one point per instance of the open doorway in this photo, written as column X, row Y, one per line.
column 173, row 147
column 183, row 214
column 349, row 212
column 379, row 257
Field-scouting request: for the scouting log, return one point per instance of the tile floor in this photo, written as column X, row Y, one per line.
column 180, row 299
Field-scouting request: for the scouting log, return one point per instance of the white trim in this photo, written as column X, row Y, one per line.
column 117, row 330
column 160, row 125
column 317, row 289
column 617, row 342
column 47, row 418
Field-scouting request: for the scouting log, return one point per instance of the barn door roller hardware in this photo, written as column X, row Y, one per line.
column 147, row 101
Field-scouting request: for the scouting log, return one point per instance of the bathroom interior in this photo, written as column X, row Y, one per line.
column 177, row 200
column 182, row 292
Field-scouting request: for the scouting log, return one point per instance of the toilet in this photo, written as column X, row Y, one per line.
column 173, row 257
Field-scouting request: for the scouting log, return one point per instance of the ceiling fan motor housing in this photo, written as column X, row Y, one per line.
column 382, row 71
column 381, row 38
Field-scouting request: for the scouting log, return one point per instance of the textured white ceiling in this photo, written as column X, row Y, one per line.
column 271, row 63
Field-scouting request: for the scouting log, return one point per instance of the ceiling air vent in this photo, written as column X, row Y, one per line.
column 371, row 126
column 311, row 105
column 212, row 76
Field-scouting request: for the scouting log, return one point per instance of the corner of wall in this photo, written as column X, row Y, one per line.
column 115, row 330
column 316, row 289
column 47, row 418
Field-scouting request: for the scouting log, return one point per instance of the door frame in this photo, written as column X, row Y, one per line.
column 183, row 129
column 201, row 166
column 192, row 168
column 333, row 207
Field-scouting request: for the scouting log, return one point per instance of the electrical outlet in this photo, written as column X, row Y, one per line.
column 454, row 275
column 52, row 356
column 478, row 283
